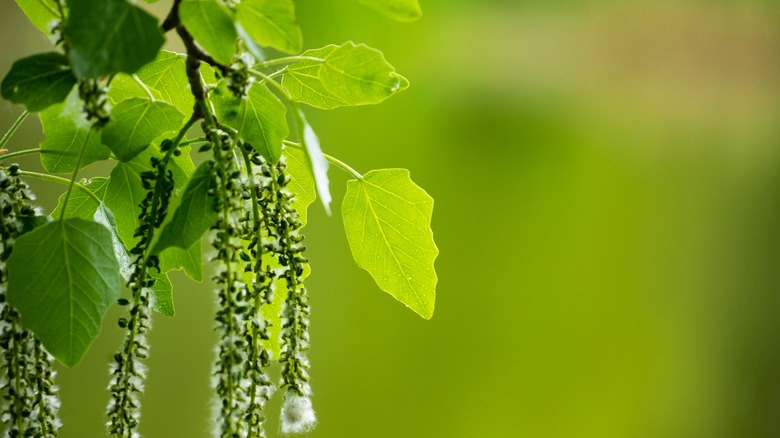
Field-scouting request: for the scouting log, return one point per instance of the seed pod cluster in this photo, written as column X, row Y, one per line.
column 30, row 400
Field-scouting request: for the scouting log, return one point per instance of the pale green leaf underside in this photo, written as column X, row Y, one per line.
column 271, row 23
column 211, row 24
column 63, row 277
column 40, row 12
column 401, row 10
column 387, row 219
column 65, row 129
column 136, row 122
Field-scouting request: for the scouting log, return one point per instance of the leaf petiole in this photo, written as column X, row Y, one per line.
column 61, row 180
column 13, row 129
column 19, row 153
column 145, row 88
column 289, row 60
column 333, row 160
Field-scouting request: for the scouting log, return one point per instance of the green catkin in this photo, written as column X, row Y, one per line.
column 128, row 370
column 30, row 398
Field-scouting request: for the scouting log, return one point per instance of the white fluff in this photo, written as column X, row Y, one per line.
column 297, row 414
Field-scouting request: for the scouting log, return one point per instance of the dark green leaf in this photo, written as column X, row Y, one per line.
column 136, row 122
column 66, row 129
column 302, row 80
column 360, row 75
column 194, row 215
column 110, row 36
column 38, row 81
column 271, row 23
column 387, row 218
column 401, row 10
column 63, row 277
column 211, row 24
column 260, row 118
column 42, row 13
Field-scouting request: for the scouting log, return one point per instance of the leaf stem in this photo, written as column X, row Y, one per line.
column 13, row 129
column 272, row 83
column 290, row 59
column 142, row 85
column 75, row 174
column 344, row 166
column 61, row 180
column 19, row 153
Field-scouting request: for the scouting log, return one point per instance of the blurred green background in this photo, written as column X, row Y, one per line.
column 607, row 186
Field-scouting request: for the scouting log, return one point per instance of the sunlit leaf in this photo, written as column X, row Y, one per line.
column 359, row 75
column 110, row 36
column 401, row 10
column 211, row 24
column 387, row 218
column 63, row 277
column 136, row 122
column 65, row 129
column 162, row 301
column 38, row 81
column 302, row 80
column 301, row 181
column 271, row 23
column 259, row 118
column 42, row 13
column 315, row 159
column 166, row 77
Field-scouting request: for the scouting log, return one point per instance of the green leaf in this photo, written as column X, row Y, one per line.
column 38, row 81
column 211, row 24
column 301, row 181
column 315, row 159
column 81, row 204
column 163, row 293
column 110, row 36
column 40, row 12
column 136, row 122
column 166, row 77
column 302, row 80
column 401, row 10
column 63, row 277
column 271, row 23
column 190, row 260
column 359, row 75
column 65, row 129
column 260, row 118
column 195, row 214
column 387, row 218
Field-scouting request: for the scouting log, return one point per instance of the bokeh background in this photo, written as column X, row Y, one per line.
column 607, row 186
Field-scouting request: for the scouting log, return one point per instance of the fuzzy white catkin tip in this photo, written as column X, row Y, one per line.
column 297, row 414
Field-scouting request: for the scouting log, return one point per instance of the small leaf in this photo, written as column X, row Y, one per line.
column 42, row 13
column 110, row 36
column 166, row 77
column 38, row 81
column 316, row 160
column 162, row 290
column 260, row 118
column 195, row 214
column 271, row 23
column 401, row 10
column 65, row 129
column 136, row 122
column 301, row 181
column 387, row 218
column 359, row 75
column 63, row 277
column 190, row 260
column 302, row 80
column 211, row 24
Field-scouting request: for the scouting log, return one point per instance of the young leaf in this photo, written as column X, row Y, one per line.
column 63, row 277
column 259, row 118
column 163, row 293
column 110, row 36
column 301, row 181
column 66, row 129
column 302, row 81
column 38, row 81
column 387, row 219
column 211, row 24
column 40, row 12
column 359, row 75
column 401, row 10
column 194, row 215
column 166, row 77
column 271, row 23
column 315, row 159
column 136, row 122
